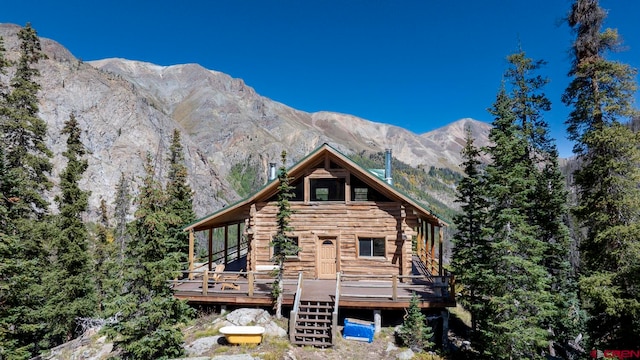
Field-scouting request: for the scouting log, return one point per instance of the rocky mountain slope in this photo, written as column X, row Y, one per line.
column 128, row 109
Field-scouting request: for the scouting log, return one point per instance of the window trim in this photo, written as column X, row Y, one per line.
column 287, row 257
column 372, row 238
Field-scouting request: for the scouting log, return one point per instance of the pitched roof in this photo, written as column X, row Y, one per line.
column 230, row 214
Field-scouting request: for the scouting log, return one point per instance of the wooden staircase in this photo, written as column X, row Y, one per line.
column 314, row 324
column 314, row 319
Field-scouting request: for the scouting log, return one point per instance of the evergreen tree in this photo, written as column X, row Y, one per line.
column 520, row 299
column 24, row 180
column 282, row 244
column 71, row 282
column 601, row 96
column 23, row 132
column 528, row 254
column 471, row 252
column 108, row 281
column 122, row 209
column 415, row 332
column 179, row 199
column 148, row 311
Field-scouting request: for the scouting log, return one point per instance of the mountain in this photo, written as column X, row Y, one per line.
column 130, row 108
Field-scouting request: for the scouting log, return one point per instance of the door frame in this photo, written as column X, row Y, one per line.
column 319, row 240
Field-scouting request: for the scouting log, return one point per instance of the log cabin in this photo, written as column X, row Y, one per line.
column 362, row 244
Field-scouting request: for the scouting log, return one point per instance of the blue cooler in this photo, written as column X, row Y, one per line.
column 358, row 330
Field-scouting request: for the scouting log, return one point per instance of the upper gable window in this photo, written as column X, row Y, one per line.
column 327, row 189
column 298, row 190
column 363, row 192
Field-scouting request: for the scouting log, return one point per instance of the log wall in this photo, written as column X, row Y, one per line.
column 343, row 222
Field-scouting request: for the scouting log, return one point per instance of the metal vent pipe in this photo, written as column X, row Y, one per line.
column 387, row 167
column 272, row 171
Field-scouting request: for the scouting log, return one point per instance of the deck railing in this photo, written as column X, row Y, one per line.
column 443, row 286
column 348, row 286
column 257, row 282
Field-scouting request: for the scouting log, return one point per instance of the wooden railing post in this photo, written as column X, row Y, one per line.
column 191, row 251
column 205, row 282
column 394, row 284
column 452, row 288
column 250, row 278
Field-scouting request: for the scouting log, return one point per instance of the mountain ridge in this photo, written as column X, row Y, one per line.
column 129, row 108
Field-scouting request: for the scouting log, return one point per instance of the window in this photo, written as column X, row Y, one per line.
column 298, row 190
column 327, row 189
column 363, row 192
column 369, row 246
column 294, row 240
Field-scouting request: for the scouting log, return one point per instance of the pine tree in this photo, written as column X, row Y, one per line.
column 121, row 214
column 148, row 311
column 179, row 199
column 23, row 132
column 24, row 238
column 71, row 282
column 524, row 194
column 601, row 96
column 471, row 252
column 282, row 244
column 108, row 281
column 415, row 332
column 519, row 283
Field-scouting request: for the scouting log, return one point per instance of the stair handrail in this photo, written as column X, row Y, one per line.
column 293, row 317
column 296, row 302
column 334, row 315
column 337, row 298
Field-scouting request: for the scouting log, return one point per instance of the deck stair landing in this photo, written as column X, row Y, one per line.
column 313, row 320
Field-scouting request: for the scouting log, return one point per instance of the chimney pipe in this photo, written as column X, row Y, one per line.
column 272, row 171
column 387, row 167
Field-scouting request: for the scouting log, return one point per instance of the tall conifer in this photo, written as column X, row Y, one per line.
column 26, row 166
column 149, row 314
column 23, row 132
column 179, row 198
column 601, row 96
column 282, row 244
column 526, row 235
column 471, row 250
column 122, row 205
column 71, row 282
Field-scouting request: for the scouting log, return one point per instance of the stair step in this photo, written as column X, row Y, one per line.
column 312, row 327
column 317, row 306
column 303, row 312
column 315, row 336
column 312, row 343
column 313, row 321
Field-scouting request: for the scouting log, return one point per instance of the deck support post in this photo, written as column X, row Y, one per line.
column 445, row 329
column 440, row 249
column 205, row 282
column 223, row 309
column 191, row 250
column 394, row 287
column 377, row 320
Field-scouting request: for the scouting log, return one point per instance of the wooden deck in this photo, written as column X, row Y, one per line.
column 356, row 291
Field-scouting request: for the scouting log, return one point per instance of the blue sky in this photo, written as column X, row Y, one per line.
column 419, row 64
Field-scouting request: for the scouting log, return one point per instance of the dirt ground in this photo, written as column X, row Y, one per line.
column 383, row 346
